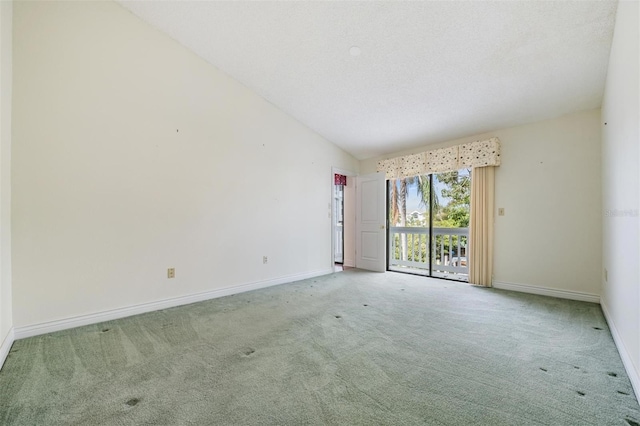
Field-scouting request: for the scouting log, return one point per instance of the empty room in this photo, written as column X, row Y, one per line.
column 323, row 213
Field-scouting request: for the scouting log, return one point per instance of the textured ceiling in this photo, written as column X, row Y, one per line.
column 427, row 71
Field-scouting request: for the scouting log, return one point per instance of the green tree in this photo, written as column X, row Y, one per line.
column 458, row 190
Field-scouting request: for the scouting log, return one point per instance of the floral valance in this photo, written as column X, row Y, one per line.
column 468, row 155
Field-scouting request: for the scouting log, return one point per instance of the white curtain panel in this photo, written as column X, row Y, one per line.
column 481, row 226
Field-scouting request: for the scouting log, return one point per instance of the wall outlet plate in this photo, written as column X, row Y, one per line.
column 171, row 273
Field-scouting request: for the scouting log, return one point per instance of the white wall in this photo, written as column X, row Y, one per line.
column 549, row 185
column 132, row 155
column 6, row 323
column 621, row 186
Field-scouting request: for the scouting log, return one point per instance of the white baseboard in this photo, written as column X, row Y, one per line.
column 81, row 320
column 6, row 347
column 545, row 291
column 632, row 372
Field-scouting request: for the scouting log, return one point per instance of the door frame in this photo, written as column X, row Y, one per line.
column 332, row 207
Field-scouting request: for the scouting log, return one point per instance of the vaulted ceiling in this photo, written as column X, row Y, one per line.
column 379, row 77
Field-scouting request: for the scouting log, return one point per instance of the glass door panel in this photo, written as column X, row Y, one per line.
column 409, row 219
column 450, row 227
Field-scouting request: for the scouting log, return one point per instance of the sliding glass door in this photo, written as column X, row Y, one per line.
column 428, row 224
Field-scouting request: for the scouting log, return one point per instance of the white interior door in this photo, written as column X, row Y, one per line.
column 371, row 234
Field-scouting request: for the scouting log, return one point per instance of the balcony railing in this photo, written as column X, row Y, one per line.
column 409, row 249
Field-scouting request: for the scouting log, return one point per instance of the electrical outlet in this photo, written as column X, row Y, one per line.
column 171, row 273
column 501, row 211
column 265, row 260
